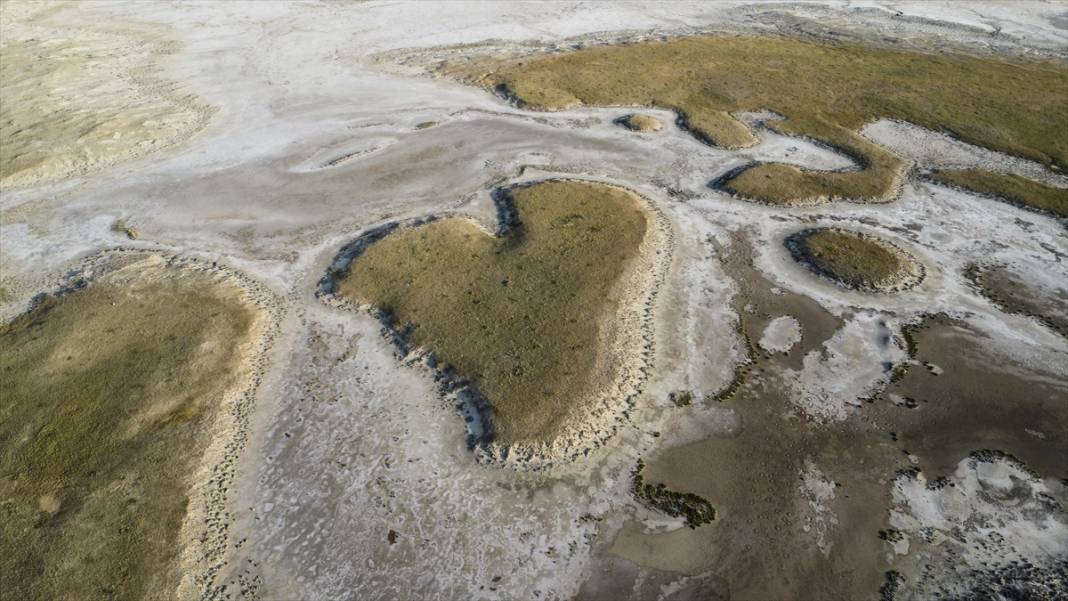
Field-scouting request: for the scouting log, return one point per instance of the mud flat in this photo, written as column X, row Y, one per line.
column 1044, row 301
column 538, row 327
column 992, row 528
column 79, row 98
column 797, row 509
column 123, row 392
column 965, row 397
column 984, row 436
column 783, row 495
column 806, row 403
column 728, row 74
column 855, row 260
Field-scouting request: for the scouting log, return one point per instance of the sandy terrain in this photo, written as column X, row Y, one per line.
column 77, row 98
column 264, row 136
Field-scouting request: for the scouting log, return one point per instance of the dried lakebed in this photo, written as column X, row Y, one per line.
column 538, row 328
column 79, row 99
column 816, row 423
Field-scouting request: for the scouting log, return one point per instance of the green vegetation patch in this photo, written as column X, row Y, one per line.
column 855, row 260
column 681, row 398
column 1013, row 188
column 522, row 315
column 695, row 509
column 108, row 393
column 642, row 123
column 825, row 92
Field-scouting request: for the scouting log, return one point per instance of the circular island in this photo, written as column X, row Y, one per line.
column 855, row 260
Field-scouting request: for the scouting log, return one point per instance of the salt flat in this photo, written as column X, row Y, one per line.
column 265, row 136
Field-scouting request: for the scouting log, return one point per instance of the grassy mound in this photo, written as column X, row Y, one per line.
column 522, row 316
column 855, row 260
column 107, row 395
column 826, row 92
column 641, row 123
column 1013, row 188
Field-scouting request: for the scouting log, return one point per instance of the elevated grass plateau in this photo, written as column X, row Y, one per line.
column 641, row 123
column 825, row 92
column 855, row 260
column 107, row 395
column 524, row 315
column 1013, row 188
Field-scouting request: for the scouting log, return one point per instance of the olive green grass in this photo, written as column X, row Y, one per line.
column 107, row 395
column 641, row 123
column 825, row 91
column 854, row 260
column 1013, row 188
column 522, row 315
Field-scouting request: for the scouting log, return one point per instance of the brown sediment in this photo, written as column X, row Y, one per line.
column 826, row 92
column 977, row 400
column 1009, row 291
column 540, row 332
column 758, row 302
column 986, row 408
column 909, row 330
column 751, row 478
column 116, row 388
column 938, row 552
column 974, row 400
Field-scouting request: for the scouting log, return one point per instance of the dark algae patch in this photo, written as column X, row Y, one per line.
column 855, row 260
column 826, row 92
column 107, row 394
column 681, row 398
column 696, row 510
column 524, row 315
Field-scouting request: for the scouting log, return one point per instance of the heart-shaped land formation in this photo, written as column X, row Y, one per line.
column 544, row 320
